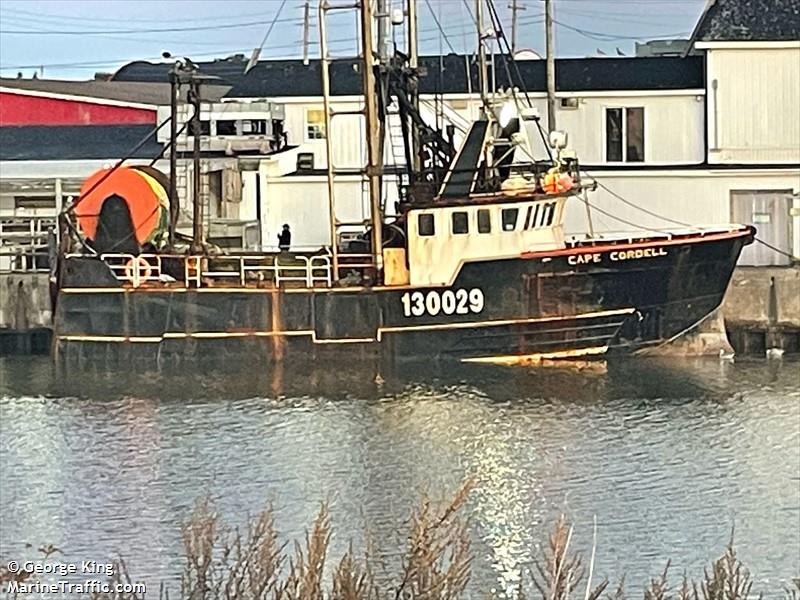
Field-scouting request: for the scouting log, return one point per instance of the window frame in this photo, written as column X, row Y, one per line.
column 503, row 211
column 624, row 135
column 460, row 214
column 428, row 217
column 484, row 228
column 307, row 125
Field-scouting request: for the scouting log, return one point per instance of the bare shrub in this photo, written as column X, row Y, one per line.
column 438, row 558
column 728, row 579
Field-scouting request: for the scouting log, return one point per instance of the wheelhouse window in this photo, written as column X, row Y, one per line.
column 550, row 213
column 509, row 217
column 425, row 224
column 484, row 221
column 315, row 124
column 460, row 223
column 528, row 217
column 625, row 134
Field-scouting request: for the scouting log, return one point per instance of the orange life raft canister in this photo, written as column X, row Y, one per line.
column 147, row 201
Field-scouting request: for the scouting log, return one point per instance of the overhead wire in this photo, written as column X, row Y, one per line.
column 659, row 216
column 112, row 62
column 152, row 30
column 61, row 17
column 439, row 26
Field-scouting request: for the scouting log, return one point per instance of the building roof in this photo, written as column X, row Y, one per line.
column 446, row 74
column 152, row 93
column 749, row 21
column 77, row 142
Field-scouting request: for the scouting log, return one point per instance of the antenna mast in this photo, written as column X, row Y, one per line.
column 484, row 77
column 413, row 96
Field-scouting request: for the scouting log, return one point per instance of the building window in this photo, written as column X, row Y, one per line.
column 425, row 224
column 315, row 124
column 510, row 218
column 625, row 134
column 484, row 221
column 226, row 127
column 254, row 127
column 34, row 202
column 460, row 223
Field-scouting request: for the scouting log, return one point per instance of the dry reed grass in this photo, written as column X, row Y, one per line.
column 250, row 563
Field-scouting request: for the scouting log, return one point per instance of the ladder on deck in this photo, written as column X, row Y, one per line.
column 369, row 265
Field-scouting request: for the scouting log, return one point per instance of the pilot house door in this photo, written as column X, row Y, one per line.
column 769, row 212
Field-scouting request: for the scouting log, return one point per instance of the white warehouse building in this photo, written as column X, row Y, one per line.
column 673, row 142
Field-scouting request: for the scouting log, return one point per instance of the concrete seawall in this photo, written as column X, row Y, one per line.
column 761, row 311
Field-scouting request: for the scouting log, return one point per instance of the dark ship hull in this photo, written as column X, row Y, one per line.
column 585, row 300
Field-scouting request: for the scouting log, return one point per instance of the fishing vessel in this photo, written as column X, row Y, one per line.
column 474, row 265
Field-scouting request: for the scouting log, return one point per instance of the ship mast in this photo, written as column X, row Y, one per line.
column 484, row 77
column 374, row 167
column 413, row 63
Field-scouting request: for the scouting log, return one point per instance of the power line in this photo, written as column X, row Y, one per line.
column 606, row 37
column 151, row 41
column 616, row 18
column 84, row 20
column 439, row 26
column 157, row 30
column 662, row 217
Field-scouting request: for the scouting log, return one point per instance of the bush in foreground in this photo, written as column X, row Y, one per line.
column 223, row 563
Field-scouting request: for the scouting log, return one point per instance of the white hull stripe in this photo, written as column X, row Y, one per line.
column 312, row 333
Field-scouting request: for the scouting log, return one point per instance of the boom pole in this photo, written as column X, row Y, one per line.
column 374, row 167
column 326, row 101
column 484, row 76
column 413, row 96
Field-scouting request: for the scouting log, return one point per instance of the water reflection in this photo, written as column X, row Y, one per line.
column 666, row 455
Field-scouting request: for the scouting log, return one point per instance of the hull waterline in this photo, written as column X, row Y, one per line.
column 584, row 301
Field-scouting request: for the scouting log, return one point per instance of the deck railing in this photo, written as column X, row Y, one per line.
column 23, row 244
column 281, row 270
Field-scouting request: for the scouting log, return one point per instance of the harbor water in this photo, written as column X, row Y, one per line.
column 669, row 457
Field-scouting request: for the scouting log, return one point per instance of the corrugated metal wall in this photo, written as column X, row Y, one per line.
column 673, row 128
column 754, row 112
column 692, row 197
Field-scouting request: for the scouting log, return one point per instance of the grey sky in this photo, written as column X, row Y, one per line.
column 108, row 34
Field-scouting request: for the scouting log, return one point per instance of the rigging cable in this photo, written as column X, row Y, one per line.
column 439, row 26
column 119, row 163
column 500, row 33
column 662, row 217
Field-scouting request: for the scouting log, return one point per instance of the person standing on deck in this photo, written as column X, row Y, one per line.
column 285, row 239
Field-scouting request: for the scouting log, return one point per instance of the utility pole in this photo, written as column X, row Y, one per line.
column 374, row 158
column 515, row 8
column 307, row 14
column 551, row 65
